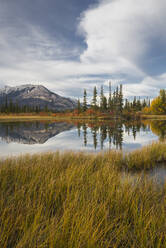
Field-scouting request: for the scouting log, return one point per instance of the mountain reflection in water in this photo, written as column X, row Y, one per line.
column 90, row 136
column 31, row 132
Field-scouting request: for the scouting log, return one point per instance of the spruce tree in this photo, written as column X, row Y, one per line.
column 110, row 102
column 85, row 101
column 144, row 104
column 78, row 106
column 6, row 104
column 138, row 105
column 120, row 100
column 105, row 103
column 135, row 103
column 10, row 106
column 102, row 98
column 94, row 100
column 116, row 101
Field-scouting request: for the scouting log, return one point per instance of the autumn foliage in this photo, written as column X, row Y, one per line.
column 158, row 104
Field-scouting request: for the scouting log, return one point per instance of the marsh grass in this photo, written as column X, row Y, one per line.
column 77, row 200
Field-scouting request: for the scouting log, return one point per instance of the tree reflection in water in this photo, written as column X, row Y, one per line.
column 102, row 135
column 112, row 132
column 159, row 128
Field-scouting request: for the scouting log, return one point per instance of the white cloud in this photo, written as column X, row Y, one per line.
column 123, row 38
column 120, row 30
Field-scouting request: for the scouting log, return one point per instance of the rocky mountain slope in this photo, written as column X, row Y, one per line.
column 36, row 95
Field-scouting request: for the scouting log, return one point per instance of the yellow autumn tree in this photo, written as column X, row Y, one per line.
column 158, row 105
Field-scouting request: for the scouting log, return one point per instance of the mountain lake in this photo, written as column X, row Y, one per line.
column 18, row 138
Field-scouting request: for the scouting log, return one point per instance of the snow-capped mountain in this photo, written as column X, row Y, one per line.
column 36, row 95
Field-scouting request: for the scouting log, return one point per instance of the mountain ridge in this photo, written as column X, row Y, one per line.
column 36, row 95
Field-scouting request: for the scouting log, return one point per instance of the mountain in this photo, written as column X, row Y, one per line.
column 36, row 95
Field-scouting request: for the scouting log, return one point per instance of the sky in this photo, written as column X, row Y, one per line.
column 71, row 45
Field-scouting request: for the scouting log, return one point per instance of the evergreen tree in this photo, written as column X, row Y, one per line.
column 25, row 109
column 116, row 100
column 104, row 103
column 110, row 103
column 6, row 104
column 135, row 103
column 94, row 100
column 85, row 101
column 126, row 106
column 138, row 105
column 120, row 100
column 78, row 106
column 46, row 108
column 102, row 98
column 37, row 109
column 144, row 104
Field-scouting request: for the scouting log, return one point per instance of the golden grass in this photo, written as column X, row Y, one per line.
column 15, row 118
column 153, row 117
column 77, row 200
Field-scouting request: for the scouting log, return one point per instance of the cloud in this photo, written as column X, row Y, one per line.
column 130, row 37
column 125, row 41
column 124, row 32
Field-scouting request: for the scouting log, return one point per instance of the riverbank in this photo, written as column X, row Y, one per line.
column 82, row 200
column 97, row 117
column 25, row 117
column 70, row 117
column 153, row 117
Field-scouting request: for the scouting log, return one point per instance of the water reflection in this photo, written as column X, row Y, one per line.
column 31, row 132
column 159, row 128
column 93, row 136
column 112, row 132
column 157, row 175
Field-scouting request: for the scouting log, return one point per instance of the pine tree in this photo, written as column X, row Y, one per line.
column 37, row 109
column 116, row 101
column 102, row 98
column 120, row 100
column 110, row 102
column 126, row 106
column 46, row 108
column 6, row 105
column 105, row 103
column 144, row 104
column 135, row 103
column 10, row 106
column 85, row 101
column 94, row 100
column 78, row 106
column 138, row 105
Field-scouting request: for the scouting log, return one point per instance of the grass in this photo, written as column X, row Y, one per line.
column 24, row 117
column 153, row 117
column 79, row 200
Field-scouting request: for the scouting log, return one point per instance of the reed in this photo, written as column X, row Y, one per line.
column 78, row 200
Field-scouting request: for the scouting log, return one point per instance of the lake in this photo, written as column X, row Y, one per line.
column 32, row 137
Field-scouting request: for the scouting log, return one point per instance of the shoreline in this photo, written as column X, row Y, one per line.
column 16, row 118
column 81, row 118
column 145, row 158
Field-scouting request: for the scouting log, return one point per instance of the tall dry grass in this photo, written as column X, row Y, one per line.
column 77, row 200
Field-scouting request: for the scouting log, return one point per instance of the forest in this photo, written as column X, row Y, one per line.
column 112, row 103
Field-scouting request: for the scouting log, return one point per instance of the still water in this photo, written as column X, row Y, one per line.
column 32, row 137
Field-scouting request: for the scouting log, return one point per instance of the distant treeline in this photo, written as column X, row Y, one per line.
column 8, row 106
column 114, row 103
